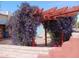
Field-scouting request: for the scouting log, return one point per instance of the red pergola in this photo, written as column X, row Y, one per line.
column 53, row 13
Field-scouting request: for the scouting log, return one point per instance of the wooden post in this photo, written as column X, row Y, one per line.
column 62, row 38
column 45, row 37
column 33, row 42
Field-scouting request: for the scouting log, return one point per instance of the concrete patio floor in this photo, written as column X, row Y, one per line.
column 69, row 49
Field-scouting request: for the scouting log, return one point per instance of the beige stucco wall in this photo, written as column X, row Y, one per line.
column 3, row 17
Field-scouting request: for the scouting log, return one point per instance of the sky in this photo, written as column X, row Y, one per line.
column 12, row 6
